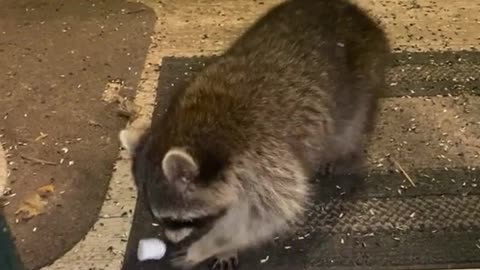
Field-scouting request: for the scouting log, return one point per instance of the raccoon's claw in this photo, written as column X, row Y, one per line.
column 328, row 169
column 225, row 262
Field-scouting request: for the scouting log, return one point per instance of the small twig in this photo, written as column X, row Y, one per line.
column 111, row 217
column 403, row 171
column 135, row 11
column 42, row 136
column 38, row 160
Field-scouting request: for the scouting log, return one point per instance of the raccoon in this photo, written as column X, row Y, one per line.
column 237, row 147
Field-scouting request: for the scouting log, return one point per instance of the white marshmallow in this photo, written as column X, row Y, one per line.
column 151, row 249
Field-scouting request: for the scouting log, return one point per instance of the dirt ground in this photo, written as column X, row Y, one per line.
column 56, row 58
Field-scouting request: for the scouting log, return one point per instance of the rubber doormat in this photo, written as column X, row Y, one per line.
column 433, row 226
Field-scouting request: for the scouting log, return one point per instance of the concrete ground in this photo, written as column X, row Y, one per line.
column 67, row 71
column 3, row 170
column 181, row 28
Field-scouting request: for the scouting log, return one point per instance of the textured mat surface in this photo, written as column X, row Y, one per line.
column 434, row 225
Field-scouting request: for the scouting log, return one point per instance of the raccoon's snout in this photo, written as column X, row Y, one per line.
column 176, row 236
column 178, row 230
column 196, row 222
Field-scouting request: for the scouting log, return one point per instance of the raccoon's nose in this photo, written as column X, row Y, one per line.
column 176, row 236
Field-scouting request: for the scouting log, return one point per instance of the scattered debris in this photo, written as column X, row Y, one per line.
column 42, row 136
column 3, row 202
column 134, row 11
column 128, row 109
column 111, row 94
column 265, row 260
column 112, row 250
column 94, row 123
column 46, row 190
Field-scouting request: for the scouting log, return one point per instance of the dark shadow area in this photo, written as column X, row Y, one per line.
column 9, row 259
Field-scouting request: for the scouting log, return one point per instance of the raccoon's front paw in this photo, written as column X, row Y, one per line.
column 181, row 260
column 352, row 164
column 225, row 261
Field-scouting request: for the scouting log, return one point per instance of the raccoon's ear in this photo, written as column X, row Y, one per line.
column 179, row 165
column 130, row 138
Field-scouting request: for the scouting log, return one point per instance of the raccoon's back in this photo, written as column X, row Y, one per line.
column 296, row 66
column 291, row 74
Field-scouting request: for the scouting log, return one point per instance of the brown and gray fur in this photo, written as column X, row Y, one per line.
column 297, row 91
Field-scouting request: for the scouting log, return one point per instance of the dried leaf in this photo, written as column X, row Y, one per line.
column 128, row 109
column 46, row 190
column 33, row 206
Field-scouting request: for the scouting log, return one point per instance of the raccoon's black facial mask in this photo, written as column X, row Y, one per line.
column 172, row 223
column 199, row 222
